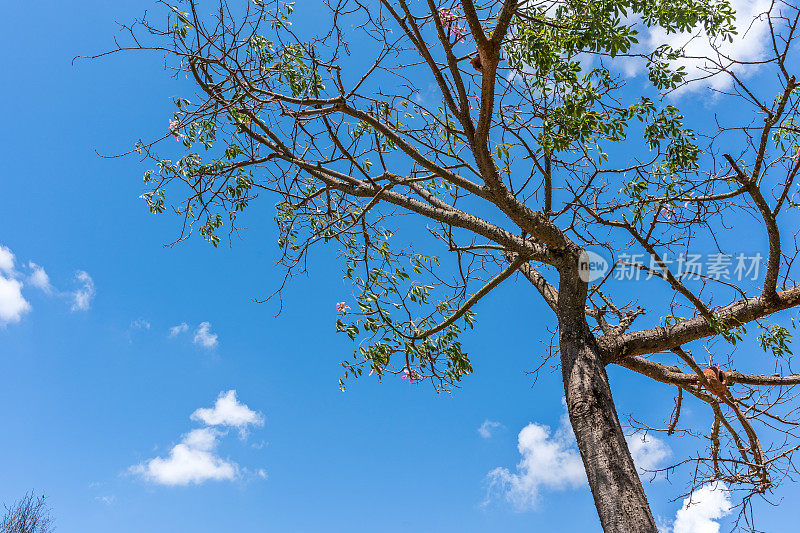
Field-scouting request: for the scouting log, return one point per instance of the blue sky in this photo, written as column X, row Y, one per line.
column 93, row 386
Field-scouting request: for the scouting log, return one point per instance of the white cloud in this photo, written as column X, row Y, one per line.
column 82, row 297
column 140, row 323
column 551, row 461
column 108, row 500
column 174, row 331
column 193, row 460
column 6, row 260
column 702, row 509
column 227, row 411
column 39, row 278
column 487, row 427
column 12, row 304
column 647, row 451
column 749, row 45
column 204, row 337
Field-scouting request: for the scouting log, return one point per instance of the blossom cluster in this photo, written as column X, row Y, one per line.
column 450, row 22
column 411, row 375
column 174, row 128
column 668, row 212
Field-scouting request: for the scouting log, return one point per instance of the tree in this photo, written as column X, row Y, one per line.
column 528, row 150
column 29, row 515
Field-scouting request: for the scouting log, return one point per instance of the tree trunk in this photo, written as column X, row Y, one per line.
column 615, row 484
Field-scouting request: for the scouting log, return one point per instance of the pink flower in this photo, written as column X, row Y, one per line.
column 342, row 308
column 173, row 127
column 446, row 16
column 459, row 31
column 412, row 375
column 667, row 212
column 450, row 24
column 469, row 101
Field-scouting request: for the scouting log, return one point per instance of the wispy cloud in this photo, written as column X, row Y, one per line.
column 194, row 460
column 487, row 427
column 82, row 296
column 174, row 331
column 39, row 278
column 204, row 337
column 140, row 323
column 13, row 302
column 108, row 500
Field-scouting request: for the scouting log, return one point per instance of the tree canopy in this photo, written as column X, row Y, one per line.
column 447, row 147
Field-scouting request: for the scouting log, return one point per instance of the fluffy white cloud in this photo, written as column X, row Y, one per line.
column 551, row 461
column 12, row 301
column 487, row 427
column 647, row 451
column 193, row 460
column 39, row 278
column 702, row 509
column 82, row 297
column 204, row 337
column 227, row 411
column 749, row 45
column 6, row 260
column 174, row 331
column 12, row 304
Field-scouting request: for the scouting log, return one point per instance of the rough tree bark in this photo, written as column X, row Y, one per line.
column 617, row 490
